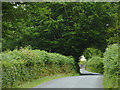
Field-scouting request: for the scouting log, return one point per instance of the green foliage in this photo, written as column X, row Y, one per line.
column 110, row 81
column 34, row 83
column 23, row 65
column 55, row 25
column 0, row 46
column 114, row 33
column 111, row 59
column 90, row 52
column 95, row 64
column 111, row 66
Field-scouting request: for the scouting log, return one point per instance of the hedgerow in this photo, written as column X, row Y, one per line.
column 95, row 64
column 108, row 63
column 111, row 66
column 23, row 65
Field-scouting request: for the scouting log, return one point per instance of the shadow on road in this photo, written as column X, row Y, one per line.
column 90, row 74
column 84, row 72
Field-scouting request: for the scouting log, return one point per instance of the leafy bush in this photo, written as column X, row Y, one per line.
column 111, row 66
column 95, row 64
column 111, row 59
column 25, row 65
column 89, row 52
column 110, row 81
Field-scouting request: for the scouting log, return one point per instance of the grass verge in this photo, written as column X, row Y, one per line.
column 42, row 80
column 110, row 81
column 89, row 69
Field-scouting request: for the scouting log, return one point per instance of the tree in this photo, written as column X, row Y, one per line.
column 67, row 28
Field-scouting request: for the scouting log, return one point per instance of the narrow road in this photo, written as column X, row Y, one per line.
column 86, row 80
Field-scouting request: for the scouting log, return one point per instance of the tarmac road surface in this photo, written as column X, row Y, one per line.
column 86, row 80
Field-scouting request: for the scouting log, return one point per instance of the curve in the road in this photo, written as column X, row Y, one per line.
column 86, row 80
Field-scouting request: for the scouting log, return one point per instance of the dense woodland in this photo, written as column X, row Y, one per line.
column 68, row 28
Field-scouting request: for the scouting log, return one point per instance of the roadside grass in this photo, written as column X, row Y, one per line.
column 111, row 79
column 91, row 70
column 42, row 80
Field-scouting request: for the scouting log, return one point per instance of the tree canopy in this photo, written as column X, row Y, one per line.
column 63, row 27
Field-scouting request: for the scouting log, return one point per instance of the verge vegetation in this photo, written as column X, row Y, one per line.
column 111, row 67
column 108, row 65
column 95, row 64
column 24, row 65
column 36, row 82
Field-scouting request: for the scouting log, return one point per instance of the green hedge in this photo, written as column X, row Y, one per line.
column 89, row 52
column 25, row 65
column 95, row 64
column 109, row 64
column 111, row 67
